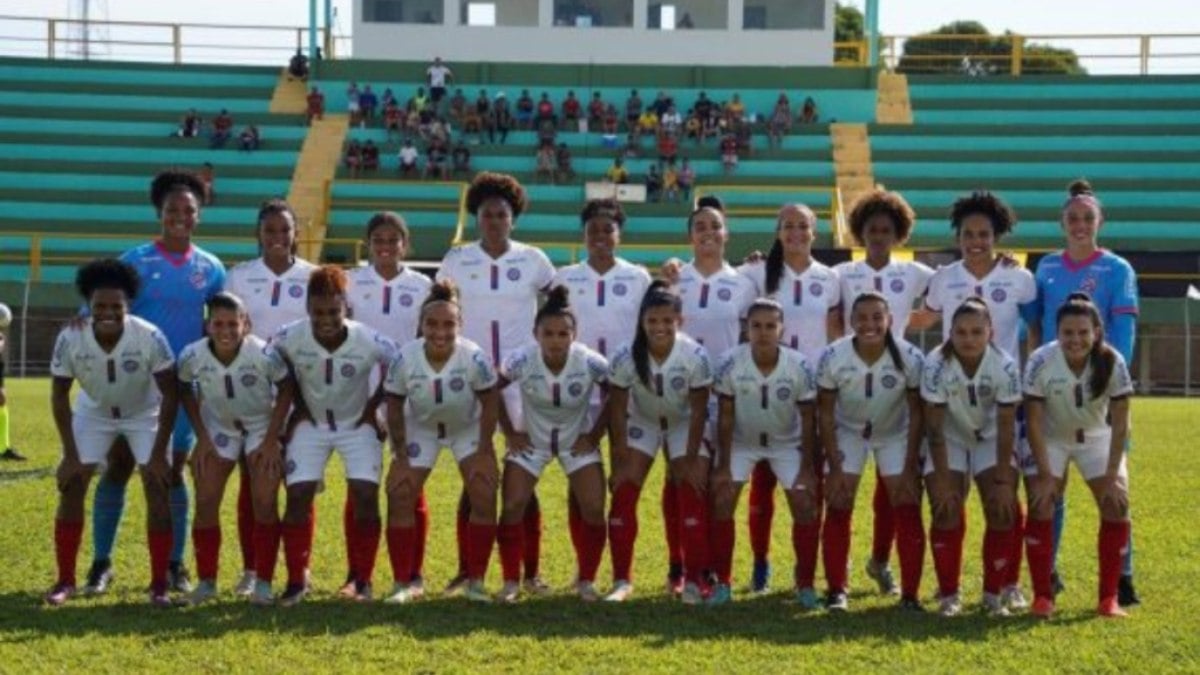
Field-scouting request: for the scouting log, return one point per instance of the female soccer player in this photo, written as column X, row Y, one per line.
column 331, row 359
column 556, row 377
column 971, row 389
column 500, row 281
column 227, row 389
column 127, row 372
column 765, row 415
column 1077, row 393
column 441, row 393
column 273, row 290
column 870, row 404
column 179, row 278
column 810, row 295
column 662, row 380
column 881, row 221
column 1112, row 284
column 387, row 295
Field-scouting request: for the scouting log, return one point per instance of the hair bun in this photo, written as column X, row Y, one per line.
column 558, row 297
column 1079, row 295
column 443, row 291
column 1080, row 186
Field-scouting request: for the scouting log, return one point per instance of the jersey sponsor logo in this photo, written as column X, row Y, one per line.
column 513, row 274
column 129, row 366
column 620, row 289
column 678, row 383
column 636, row 432
column 296, row 291
column 406, row 300
column 897, row 285
column 575, row 389
column 348, row 370
column 888, row 381
column 724, row 294
column 816, row 290
column 999, row 295
column 249, row 380
column 783, row 393
column 457, row 383
column 413, row 450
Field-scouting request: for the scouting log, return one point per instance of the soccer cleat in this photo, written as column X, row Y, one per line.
column 416, row 589
column 59, row 594
column 586, row 591
column 949, row 605
column 292, row 595
column 11, row 455
column 721, row 595
column 398, row 596
column 456, row 586
column 261, row 594
column 178, row 578
column 509, row 592
column 245, row 585
column 807, row 599
column 1043, row 607
column 621, row 591
column 1056, row 583
column 476, row 592
column 837, row 602
column 691, row 594
column 1110, row 608
column 760, row 580
column 1014, row 598
column 535, row 586
column 99, row 578
column 363, row 592
column 348, row 590
column 160, row 597
column 1127, row 595
column 881, row 573
column 994, row 605
column 911, row 605
column 674, row 585
column 205, row 590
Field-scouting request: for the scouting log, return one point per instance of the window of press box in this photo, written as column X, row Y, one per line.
column 404, row 11
column 499, row 13
column 783, row 15
column 687, row 14
column 593, row 13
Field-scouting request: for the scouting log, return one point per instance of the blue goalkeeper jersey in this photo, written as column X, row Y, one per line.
column 174, row 289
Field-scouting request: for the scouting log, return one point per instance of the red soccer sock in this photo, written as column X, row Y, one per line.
column 910, row 544
column 591, row 549
column 366, row 541
column 421, row 537
column 693, row 511
column 997, row 559
column 835, row 547
column 1013, row 575
column 297, row 547
column 1039, row 548
column 671, row 523
column 67, row 537
column 806, row 539
column 461, row 532
column 723, row 533
column 883, row 527
column 401, row 543
column 245, row 520
column 207, row 542
column 481, row 537
column 623, row 530
column 266, row 550
column 947, row 548
column 531, row 545
column 762, row 509
column 159, row 543
column 575, row 525
column 511, row 541
column 1111, row 545
column 349, row 533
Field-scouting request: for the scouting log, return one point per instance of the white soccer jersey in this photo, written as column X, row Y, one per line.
column 499, row 295
column 445, row 400
column 390, row 307
column 765, row 414
column 871, row 399
column 671, row 382
column 117, row 384
column 901, row 282
column 239, row 395
column 335, row 385
column 807, row 299
column 714, row 306
column 971, row 401
column 1072, row 415
column 272, row 300
column 1004, row 289
column 556, row 405
column 606, row 305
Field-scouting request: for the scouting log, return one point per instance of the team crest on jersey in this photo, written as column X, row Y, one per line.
column 783, row 393
column 130, row 366
column 457, row 384
column 413, row 450
column 513, row 274
column 406, row 300
column 816, row 290
column 296, row 291
column 575, row 388
column 221, row 440
column 1088, row 285
column 197, row 279
column 636, row 432
column 897, row 285
column 249, row 380
column 888, row 381
column 348, row 370
column 620, row 289
column 999, row 295
column 678, row 383
column 724, row 294
column 985, row 391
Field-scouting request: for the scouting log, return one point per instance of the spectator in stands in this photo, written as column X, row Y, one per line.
column 595, row 112
column 670, row 181
column 633, row 145
column 545, row 110
column 249, row 139
column 661, row 104
column 352, row 103
column 353, row 157
column 439, row 131
column 686, row 22
column 611, row 120
column 654, row 184
column 418, row 101
column 808, row 113
column 562, row 157
column 647, row 124
column 743, row 132
column 686, row 179
column 703, row 106
column 729, row 153
column 736, row 110
column 370, row 156
column 668, row 147
column 458, row 107
column 572, row 110
column 189, row 126
column 547, row 133
column 316, row 105
column 502, row 119
column 208, row 178
column 438, row 75
column 298, row 66
column 545, row 163
column 710, row 127
column 692, row 126
column 779, row 123
column 409, row 156
column 483, row 106
column 412, row 124
column 633, row 110
column 367, row 104
column 393, row 119
column 525, row 108
column 222, row 129
column 671, row 122
column 437, row 161
column 473, row 123
column 460, row 158
column 617, row 173
column 388, row 97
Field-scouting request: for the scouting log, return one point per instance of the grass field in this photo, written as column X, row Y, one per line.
column 120, row 632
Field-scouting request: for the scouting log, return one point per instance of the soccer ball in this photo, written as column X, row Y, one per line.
column 5, row 316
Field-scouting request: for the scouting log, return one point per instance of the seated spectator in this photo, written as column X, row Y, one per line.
column 808, row 113
column 633, row 145
column 596, row 110
column 736, row 110
column 566, row 172
column 611, row 120
column 249, row 139
column 388, row 97
column 661, row 104
column 668, row 147
column 647, row 124
column 654, row 184
column 298, row 66
column 316, row 105
column 438, row 131
column 460, row 157
column 779, row 123
column 189, row 126
column 208, row 177
column 352, row 108
column 633, row 110
column 547, row 133
column 729, row 153
column 222, row 129
column 437, row 161
column 502, row 119
column 353, row 158
column 545, row 110
column 473, row 124
column 425, row 122
column 703, row 106
column 686, row 178
column 412, row 124
column 546, row 163
column 744, row 133
column 418, row 101
column 710, row 127
column 370, row 156
column 393, row 120
column 670, row 122
column 483, row 106
column 409, row 156
column 458, row 107
column 571, row 112
column 367, row 103
column 525, row 108
column 617, row 173
column 692, row 127
column 670, row 180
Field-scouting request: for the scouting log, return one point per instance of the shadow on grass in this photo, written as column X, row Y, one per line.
column 26, row 474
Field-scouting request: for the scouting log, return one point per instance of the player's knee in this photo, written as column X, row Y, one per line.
column 514, row 506
column 482, row 497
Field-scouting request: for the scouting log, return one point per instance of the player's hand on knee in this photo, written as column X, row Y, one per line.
column 158, row 469
column 517, row 443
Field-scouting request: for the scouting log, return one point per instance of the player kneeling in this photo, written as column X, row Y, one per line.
column 126, row 370
column 555, row 376
column 765, row 413
column 227, row 389
column 441, row 393
column 971, row 389
column 331, row 359
column 1073, row 388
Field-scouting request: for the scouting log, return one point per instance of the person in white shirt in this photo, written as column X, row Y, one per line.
column 331, row 359
column 662, row 381
column 438, row 75
column 227, row 388
column 971, row 389
column 1077, row 393
column 557, row 377
column 500, row 282
column 870, row 404
column 126, row 370
column 441, row 394
column 881, row 221
column 810, row 295
column 766, row 414
column 274, row 290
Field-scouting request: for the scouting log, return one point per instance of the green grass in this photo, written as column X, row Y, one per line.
column 121, row 633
